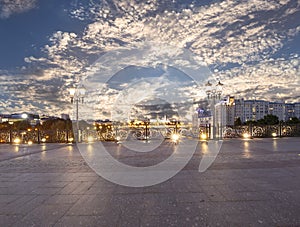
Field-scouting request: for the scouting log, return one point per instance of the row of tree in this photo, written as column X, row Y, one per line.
column 267, row 120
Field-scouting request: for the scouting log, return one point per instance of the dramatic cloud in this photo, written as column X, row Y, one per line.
column 242, row 42
column 10, row 7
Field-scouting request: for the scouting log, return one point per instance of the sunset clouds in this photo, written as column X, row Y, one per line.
column 248, row 44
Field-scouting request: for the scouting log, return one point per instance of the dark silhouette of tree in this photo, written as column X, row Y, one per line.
column 21, row 125
column 261, row 122
column 56, row 124
column 237, row 122
column 294, row 120
column 250, row 122
column 269, row 120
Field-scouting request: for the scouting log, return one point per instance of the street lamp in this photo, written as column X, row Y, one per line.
column 24, row 116
column 77, row 95
column 214, row 93
column 10, row 131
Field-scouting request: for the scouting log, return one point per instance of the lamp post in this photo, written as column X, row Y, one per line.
column 147, row 123
column 214, row 93
column 77, row 95
column 10, row 131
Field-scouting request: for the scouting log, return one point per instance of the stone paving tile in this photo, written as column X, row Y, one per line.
column 101, row 187
column 43, row 215
column 245, row 218
column 160, row 204
column 192, row 197
column 70, row 187
column 54, row 184
column 57, row 188
column 245, row 196
column 213, row 193
column 93, row 190
column 86, row 178
column 278, row 213
column 186, row 186
column 90, row 205
column 185, row 218
column 87, row 221
column 4, row 199
column 66, row 177
column 24, row 188
column 150, row 220
column 9, row 220
column 164, row 187
column 62, row 199
column 45, row 190
column 253, row 184
column 82, row 188
column 294, row 171
column 24, row 205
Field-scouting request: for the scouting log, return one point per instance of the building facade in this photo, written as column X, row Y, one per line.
column 277, row 109
column 289, row 111
column 250, row 110
column 254, row 110
column 297, row 110
column 33, row 119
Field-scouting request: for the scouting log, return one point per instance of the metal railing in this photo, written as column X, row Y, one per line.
column 263, row 131
column 36, row 136
column 151, row 132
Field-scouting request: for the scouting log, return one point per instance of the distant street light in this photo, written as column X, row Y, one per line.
column 77, row 95
column 214, row 93
column 24, row 116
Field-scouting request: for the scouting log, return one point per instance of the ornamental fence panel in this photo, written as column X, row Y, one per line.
column 150, row 132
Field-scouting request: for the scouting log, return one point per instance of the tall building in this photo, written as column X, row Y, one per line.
column 239, row 109
column 230, row 110
column 277, row 109
column 254, row 110
column 289, row 111
column 224, row 114
column 292, row 110
column 297, row 110
column 220, row 118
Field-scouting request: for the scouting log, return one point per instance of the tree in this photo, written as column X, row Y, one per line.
column 294, row 120
column 261, row 122
column 21, row 125
column 237, row 122
column 250, row 122
column 271, row 119
column 56, row 124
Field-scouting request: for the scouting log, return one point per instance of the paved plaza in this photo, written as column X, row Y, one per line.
column 251, row 183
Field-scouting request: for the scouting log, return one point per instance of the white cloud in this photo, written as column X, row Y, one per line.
column 10, row 7
column 245, row 34
column 273, row 79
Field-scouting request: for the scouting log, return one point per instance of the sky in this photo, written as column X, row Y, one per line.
column 48, row 46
